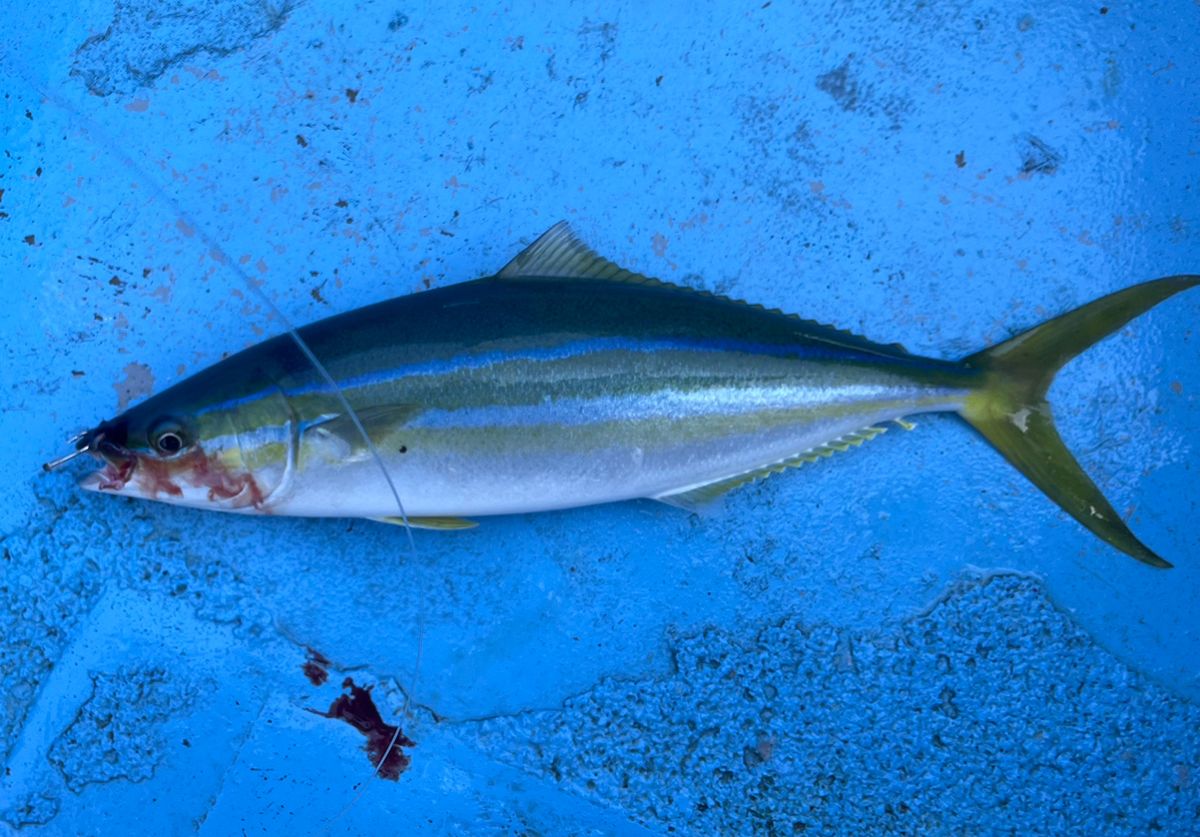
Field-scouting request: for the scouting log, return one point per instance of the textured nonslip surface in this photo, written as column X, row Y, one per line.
column 991, row 701
column 903, row 638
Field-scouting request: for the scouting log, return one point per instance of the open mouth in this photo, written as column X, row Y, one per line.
column 119, row 461
column 191, row 478
column 117, row 471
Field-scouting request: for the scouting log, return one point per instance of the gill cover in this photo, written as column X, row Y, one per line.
column 267, row 433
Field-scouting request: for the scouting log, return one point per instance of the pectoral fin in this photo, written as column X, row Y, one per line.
column 341, row 439
column 378, row 421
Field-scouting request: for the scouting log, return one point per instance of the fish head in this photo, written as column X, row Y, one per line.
column 191, row 446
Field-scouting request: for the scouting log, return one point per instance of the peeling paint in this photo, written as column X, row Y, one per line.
column 137, row 384
column 145, row 40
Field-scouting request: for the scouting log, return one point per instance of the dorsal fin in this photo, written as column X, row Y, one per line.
column 697, row 497
column 558, row 253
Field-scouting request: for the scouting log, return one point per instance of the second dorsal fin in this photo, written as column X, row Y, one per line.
column 559, row 253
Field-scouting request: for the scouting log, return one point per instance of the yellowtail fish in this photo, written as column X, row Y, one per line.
column 565, row 380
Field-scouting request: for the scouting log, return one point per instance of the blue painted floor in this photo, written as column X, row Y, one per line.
column 906, row 638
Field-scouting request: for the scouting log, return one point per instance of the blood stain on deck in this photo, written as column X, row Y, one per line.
column 384, row 741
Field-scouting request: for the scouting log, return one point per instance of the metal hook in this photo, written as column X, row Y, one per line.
column 63, row 460
column 74, row 440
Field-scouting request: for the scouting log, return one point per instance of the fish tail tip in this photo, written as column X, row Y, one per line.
column 1155, row 560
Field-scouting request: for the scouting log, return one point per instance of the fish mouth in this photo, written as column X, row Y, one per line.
column 112, row 477
column 193, row 478
column 120, row 463
column 105, row 443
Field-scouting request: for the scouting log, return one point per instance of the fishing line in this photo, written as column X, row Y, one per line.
column 98, row 137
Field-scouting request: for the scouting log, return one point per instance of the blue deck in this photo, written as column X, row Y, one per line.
column 906, row 638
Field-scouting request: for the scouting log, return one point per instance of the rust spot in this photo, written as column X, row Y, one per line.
column 358, row 710
column 301, row 141
column 30, row 240
column 1177, row 387
column 352, row 95
column 342, row 203
column 960, row 159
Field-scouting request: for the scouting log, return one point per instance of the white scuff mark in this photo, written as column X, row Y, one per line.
column 1021, row 419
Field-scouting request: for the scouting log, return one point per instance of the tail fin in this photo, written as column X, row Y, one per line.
column 1011, row 412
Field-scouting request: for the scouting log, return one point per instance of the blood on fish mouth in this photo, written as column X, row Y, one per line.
column 165, row 477
column 223, row 483
column 116, row 474
column 119, row 463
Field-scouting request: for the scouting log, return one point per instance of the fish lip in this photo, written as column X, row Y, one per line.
column 120, row 463
column 92, row 481
column 111, row 452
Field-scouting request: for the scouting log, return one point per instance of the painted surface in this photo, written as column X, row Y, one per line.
column 907, row 637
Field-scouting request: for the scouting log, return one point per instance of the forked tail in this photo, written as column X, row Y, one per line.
column 1011, row 411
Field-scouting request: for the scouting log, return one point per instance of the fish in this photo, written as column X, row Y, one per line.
column 565, row 380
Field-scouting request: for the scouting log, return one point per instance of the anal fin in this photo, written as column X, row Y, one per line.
column 443, row 524
column 698, row 497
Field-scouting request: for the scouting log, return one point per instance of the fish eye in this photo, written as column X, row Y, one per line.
column 169, row 437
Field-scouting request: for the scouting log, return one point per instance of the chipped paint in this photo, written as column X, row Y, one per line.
column 137, row 383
